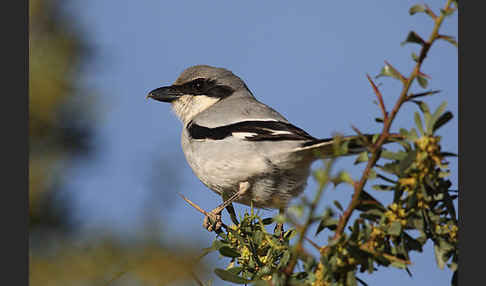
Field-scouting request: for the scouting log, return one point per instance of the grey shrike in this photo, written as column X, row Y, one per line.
column 239, row 146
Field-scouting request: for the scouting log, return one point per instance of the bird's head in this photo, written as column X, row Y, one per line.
column 198, row 88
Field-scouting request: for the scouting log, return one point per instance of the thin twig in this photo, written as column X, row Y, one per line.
column 380, row 97
column 194, row 205
column 316, row 246
column 200, row 209
column 430, row 12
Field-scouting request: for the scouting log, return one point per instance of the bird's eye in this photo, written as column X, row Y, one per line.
column 198, row 84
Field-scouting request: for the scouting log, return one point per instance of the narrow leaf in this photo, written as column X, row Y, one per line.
column 443, row 119
column 416, row 9
column 228, row 252
column 394, row 229
column 415, row 57
column 413, row 96
column 399, row 155
column 448, row 39
column 422, row 81
column 422, row 105
column 363, row 157
column 418, row 122
column 447, row 12
column 383, row 187
column 351, row 279
column 413, row 37
column 388, row 70
column 338, row 205
column 230, row 277
column 268, row 220
column 405, row 163
column 438, row 256
column 434, row 117
column 342, row 177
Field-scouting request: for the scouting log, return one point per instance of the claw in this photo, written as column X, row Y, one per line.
column 213, row 221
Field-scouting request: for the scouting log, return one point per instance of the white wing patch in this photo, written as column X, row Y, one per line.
column 243, row 135
column 246, row 135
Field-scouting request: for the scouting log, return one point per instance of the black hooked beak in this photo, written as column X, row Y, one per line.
column 165, row 94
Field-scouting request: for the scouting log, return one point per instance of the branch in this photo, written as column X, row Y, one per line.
column 387, row 121
column 380, row 98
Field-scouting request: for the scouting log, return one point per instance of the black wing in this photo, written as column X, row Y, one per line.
column 252, row 130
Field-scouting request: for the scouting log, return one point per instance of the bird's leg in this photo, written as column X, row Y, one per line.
column 213, row 220
column 279, row 226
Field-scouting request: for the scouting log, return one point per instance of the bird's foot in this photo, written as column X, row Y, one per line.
column 213, row 222
column 279, row 230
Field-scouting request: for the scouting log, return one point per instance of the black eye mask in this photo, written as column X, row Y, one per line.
column 201, row 86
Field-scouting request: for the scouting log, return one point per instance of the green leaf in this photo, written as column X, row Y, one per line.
column 362, row 157
column 375, row 212
column 407, row 162
column 258, row 237
column 422, row 81
column 327, row 222
column 372, row 174
column 230, row 208
column 342, row 177
column 321, row 176
column 284, row 260
column 430, row 92
column 412, row 135
column 418, row 122
column 383, row 187
column 412, row 244
column 448, row 39
column 338, row 205
column 355, row 231
column 368, row 202
column 447, row 12
column 296, row 210
column 394, row 228
column 416, row 9
column 454, row 279
column 391, row 168
column 267, row 221
column 228, row 252
column 399, row 155
column 235, row 270
column 422, row 105
column 351, row 279
column 443, row 119
column 415, row 57
column 374, row 138
column 435, row 117
column 398, row 264
column 413, row 37
column 230, row 277
column 388, row 70
column 448, row 154
column 439, row 256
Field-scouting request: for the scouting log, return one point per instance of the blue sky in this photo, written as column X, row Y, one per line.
column 308, row 60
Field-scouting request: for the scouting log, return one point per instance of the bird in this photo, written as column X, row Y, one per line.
column 238, row 146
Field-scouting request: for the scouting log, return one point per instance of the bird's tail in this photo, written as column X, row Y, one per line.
column 337, row 146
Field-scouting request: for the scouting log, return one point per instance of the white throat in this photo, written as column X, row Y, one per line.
column 188, row 106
